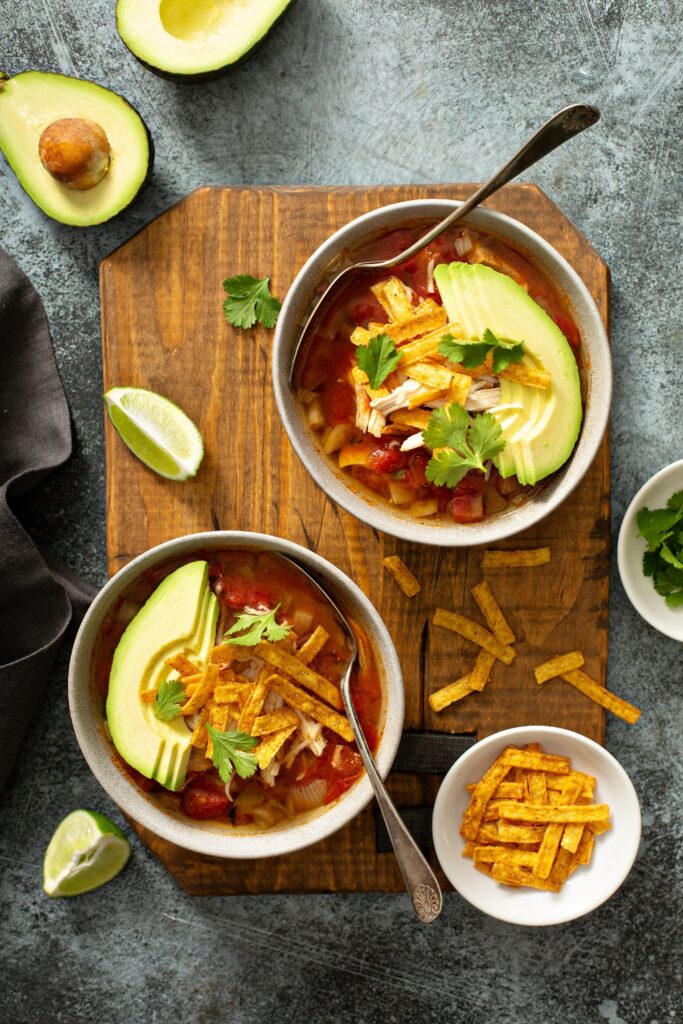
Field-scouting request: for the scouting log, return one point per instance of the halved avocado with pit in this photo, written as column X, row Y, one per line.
column 196, row 40
column 80, row 151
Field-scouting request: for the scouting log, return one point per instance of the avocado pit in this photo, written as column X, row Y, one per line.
column 75, row 151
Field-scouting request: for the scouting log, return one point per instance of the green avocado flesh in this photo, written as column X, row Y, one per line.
column 180, row 616
column 540, row 427
column 195, row 38
column 30, row 102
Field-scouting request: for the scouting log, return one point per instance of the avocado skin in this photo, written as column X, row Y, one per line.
column 206, row 76
column 4, row 77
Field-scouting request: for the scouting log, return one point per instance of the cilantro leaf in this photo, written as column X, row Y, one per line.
column 676, row 502
column 468, row 353
column 232, row 751
column 257, row 625
column 250, row 300
column 169, row 700
column 378, row 359
column 662, row 529
column 459, row 443
column 668, row 556
column 656, row 525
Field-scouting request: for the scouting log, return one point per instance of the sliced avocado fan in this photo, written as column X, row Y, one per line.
column 179, row 617
column 540, row 427
column 193, row 40
column 80, row 151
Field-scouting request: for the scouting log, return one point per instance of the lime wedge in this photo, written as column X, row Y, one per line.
column 87, row 850
column 157, row 431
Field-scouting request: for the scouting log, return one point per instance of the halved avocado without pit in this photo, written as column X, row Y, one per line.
column 80, row 151
column 195, row 40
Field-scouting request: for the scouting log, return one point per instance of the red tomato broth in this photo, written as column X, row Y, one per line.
column 330, row 355
column 255, row 578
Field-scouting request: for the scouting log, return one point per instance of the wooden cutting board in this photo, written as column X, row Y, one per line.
column 163, row 329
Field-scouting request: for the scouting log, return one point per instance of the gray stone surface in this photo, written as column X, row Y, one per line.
column 351, row 92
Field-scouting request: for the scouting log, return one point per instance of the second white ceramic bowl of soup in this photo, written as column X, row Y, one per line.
column 596, row 376
column 213, row 837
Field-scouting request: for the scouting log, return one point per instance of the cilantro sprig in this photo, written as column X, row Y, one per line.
column 378, row 359
column 250, row 300
column 662, row 528
column 473, row 353
column 459, row 443
column 232, row 752
column 169, row 699
column 257, row 626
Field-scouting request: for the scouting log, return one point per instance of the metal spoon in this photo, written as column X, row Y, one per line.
column 421, row 883
column 561, row 127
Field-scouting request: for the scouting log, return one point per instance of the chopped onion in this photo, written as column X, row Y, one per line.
column 463, row 244
column 430, row 275
column 305, row 798
column 413, row 442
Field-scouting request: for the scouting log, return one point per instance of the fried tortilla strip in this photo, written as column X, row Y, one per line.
column 479, row 676
column 200, row 736
column 506, row 791
column 474, row 632
column 547, row 815
column 431, row 375
column 232, row 693
column 510, row 874
column 182, row 664
column 223, row 654
column 529, row 558
column 393, row 298
column 483, row 792
column 490, row 609
column 218, row 718
column 426, row 317
column 486, row 869
column 468, row 848
column 252, row 708
column 520, row 373
column 302, row 701
column 402, row 574
column 492, row 812
column 149, row 696
column 269, row 745
column 492, row 854
column 550, row 843
column 585, row 847
column 291, row 666
column 427, row 346
column 203, row 691
column 558, row 665
column 554, row 781
column 589, row 688
column 313, row 646
column 598, row 827
column 571, row 837
column 418, row 418
column 538, row 790
column 274, row 722
column 535, row 761
column 459, row 388
column 509, row 833
column 473, row 682
column 488, row 833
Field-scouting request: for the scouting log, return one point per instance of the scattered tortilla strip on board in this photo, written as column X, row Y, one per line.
column 473, row 631
column 558, row 665
column 269, row 745
column 182, row 664
column 302, row 701
column 393, row 298
column 290, row 665
column 313, row 646
column 606, row 699
column 529, row 558
column 490, row 609
column 203, row 691
column 473, row 682
column 402, row 574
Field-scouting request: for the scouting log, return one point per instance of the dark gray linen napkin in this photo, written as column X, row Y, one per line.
column 38, row 597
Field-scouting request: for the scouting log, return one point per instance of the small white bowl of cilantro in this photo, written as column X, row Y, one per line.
column 650, row 551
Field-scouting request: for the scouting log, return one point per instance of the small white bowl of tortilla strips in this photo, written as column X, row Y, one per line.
column 536, row 825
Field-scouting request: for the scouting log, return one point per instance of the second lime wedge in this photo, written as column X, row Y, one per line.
column 157, row 431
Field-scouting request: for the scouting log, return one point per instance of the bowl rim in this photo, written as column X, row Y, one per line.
column 199, row 837
column 655, row 611
column 595, row 412
column 543, row 733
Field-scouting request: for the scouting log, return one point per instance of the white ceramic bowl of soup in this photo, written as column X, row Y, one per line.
column 212, row 837
column 596, row 375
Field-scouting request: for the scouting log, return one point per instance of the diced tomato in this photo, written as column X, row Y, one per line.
column 387, row 458
column 203, row 799
column 345, row 761
column 473, row 482
column 568, row 328
column 145, row 784
column 415, row 474
column 237, row 592
column 337, row 788
column 363, row 312
column 339, row 404
column 467, row 508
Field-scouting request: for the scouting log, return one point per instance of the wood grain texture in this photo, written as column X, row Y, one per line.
column 163, row 329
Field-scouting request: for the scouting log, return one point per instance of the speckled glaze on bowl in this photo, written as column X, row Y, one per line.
column 210, row 837
column 596, row 357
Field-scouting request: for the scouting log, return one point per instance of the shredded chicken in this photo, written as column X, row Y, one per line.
column 376, row 423
column 413, row 442
column 485, row 398
column 399, row 397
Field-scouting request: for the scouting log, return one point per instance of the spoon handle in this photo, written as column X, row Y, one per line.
column 421, row 883
column 561, row 127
